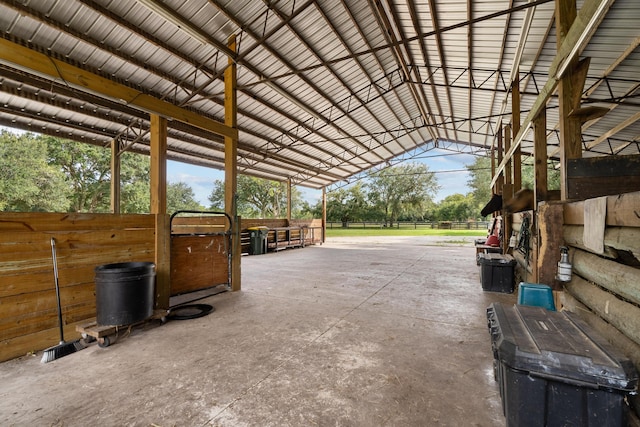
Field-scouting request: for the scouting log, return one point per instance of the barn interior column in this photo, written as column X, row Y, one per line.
column 158, row 187
column 231, row 165
column 507, row 192
column 515, row 123
column 324, row 213
column 500, row 178
column 289, row 202
column 540, row 186
column 569, row 91
column 115, row 176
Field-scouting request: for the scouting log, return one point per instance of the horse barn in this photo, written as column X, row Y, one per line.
column 351, row 332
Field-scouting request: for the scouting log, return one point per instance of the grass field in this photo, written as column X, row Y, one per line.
column 342, row 232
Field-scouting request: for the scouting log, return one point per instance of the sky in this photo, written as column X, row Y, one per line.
column 448, row 166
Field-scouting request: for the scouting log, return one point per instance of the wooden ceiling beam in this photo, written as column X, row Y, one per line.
column 587, row 21
column 53, row 68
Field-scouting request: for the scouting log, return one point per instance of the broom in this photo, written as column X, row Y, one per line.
column 63, row 348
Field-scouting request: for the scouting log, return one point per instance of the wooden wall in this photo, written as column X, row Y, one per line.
column 604, row 239
column 200, row 248
column 28, row 309
column 600, row 176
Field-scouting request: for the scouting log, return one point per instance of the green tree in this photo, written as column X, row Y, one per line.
column 87, row 170
column 27, row 181
column 456, row 207
column 257, row 197
column 347, row 204
column 261, row 198
column 480, row 183
column 553, row 176
column 180, row 197
column 216, row 198
column 402, row 190
column 305, row 210
column 135, row 179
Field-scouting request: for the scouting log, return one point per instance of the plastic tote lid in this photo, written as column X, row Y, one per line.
column 557, row 345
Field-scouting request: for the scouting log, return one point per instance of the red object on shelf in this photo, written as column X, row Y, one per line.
column 493, row 241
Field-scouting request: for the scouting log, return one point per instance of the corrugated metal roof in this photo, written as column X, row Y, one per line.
column 326, row 89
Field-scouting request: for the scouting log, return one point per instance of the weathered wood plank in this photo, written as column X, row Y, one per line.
column 602, row 176
column 25, row 344
column 34, row 322
column 44, row 221
column 71, row 246
column 595, row 212
column 92, row 258
column 614, row 336
column 573, row 236
column 618, row 278
column 550, row 241
column 72, row 239
column 199, row 229
column 621, row 314
column 198, row 262
column 622, row 211
column 615, row 239
column 22, row 304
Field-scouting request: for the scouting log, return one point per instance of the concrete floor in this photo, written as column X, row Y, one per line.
column 356, row 332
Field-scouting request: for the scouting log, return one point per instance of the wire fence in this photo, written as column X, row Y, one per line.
column 414, row 225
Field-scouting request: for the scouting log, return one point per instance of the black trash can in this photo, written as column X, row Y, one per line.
column 124, row 292
column 258, row 240
column 552, row 369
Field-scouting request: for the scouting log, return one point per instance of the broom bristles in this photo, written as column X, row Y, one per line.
column 60, row 350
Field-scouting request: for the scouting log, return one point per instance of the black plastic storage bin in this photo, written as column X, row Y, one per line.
column 496, row 272
column 554, row 370
column 124, row 292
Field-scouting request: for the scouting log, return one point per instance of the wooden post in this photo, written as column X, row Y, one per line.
column 549, row 224
column 231, row 165
column 515, row 121
column 115, row 177
column 289, row 200
column 158, row 143
column 507, row 167
column 507, row 192
column 158, row 164
column 493, row 188
column 569, row 97
column 324, row 213
column 163, row 261
column 500, row 180
column 540, row 186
